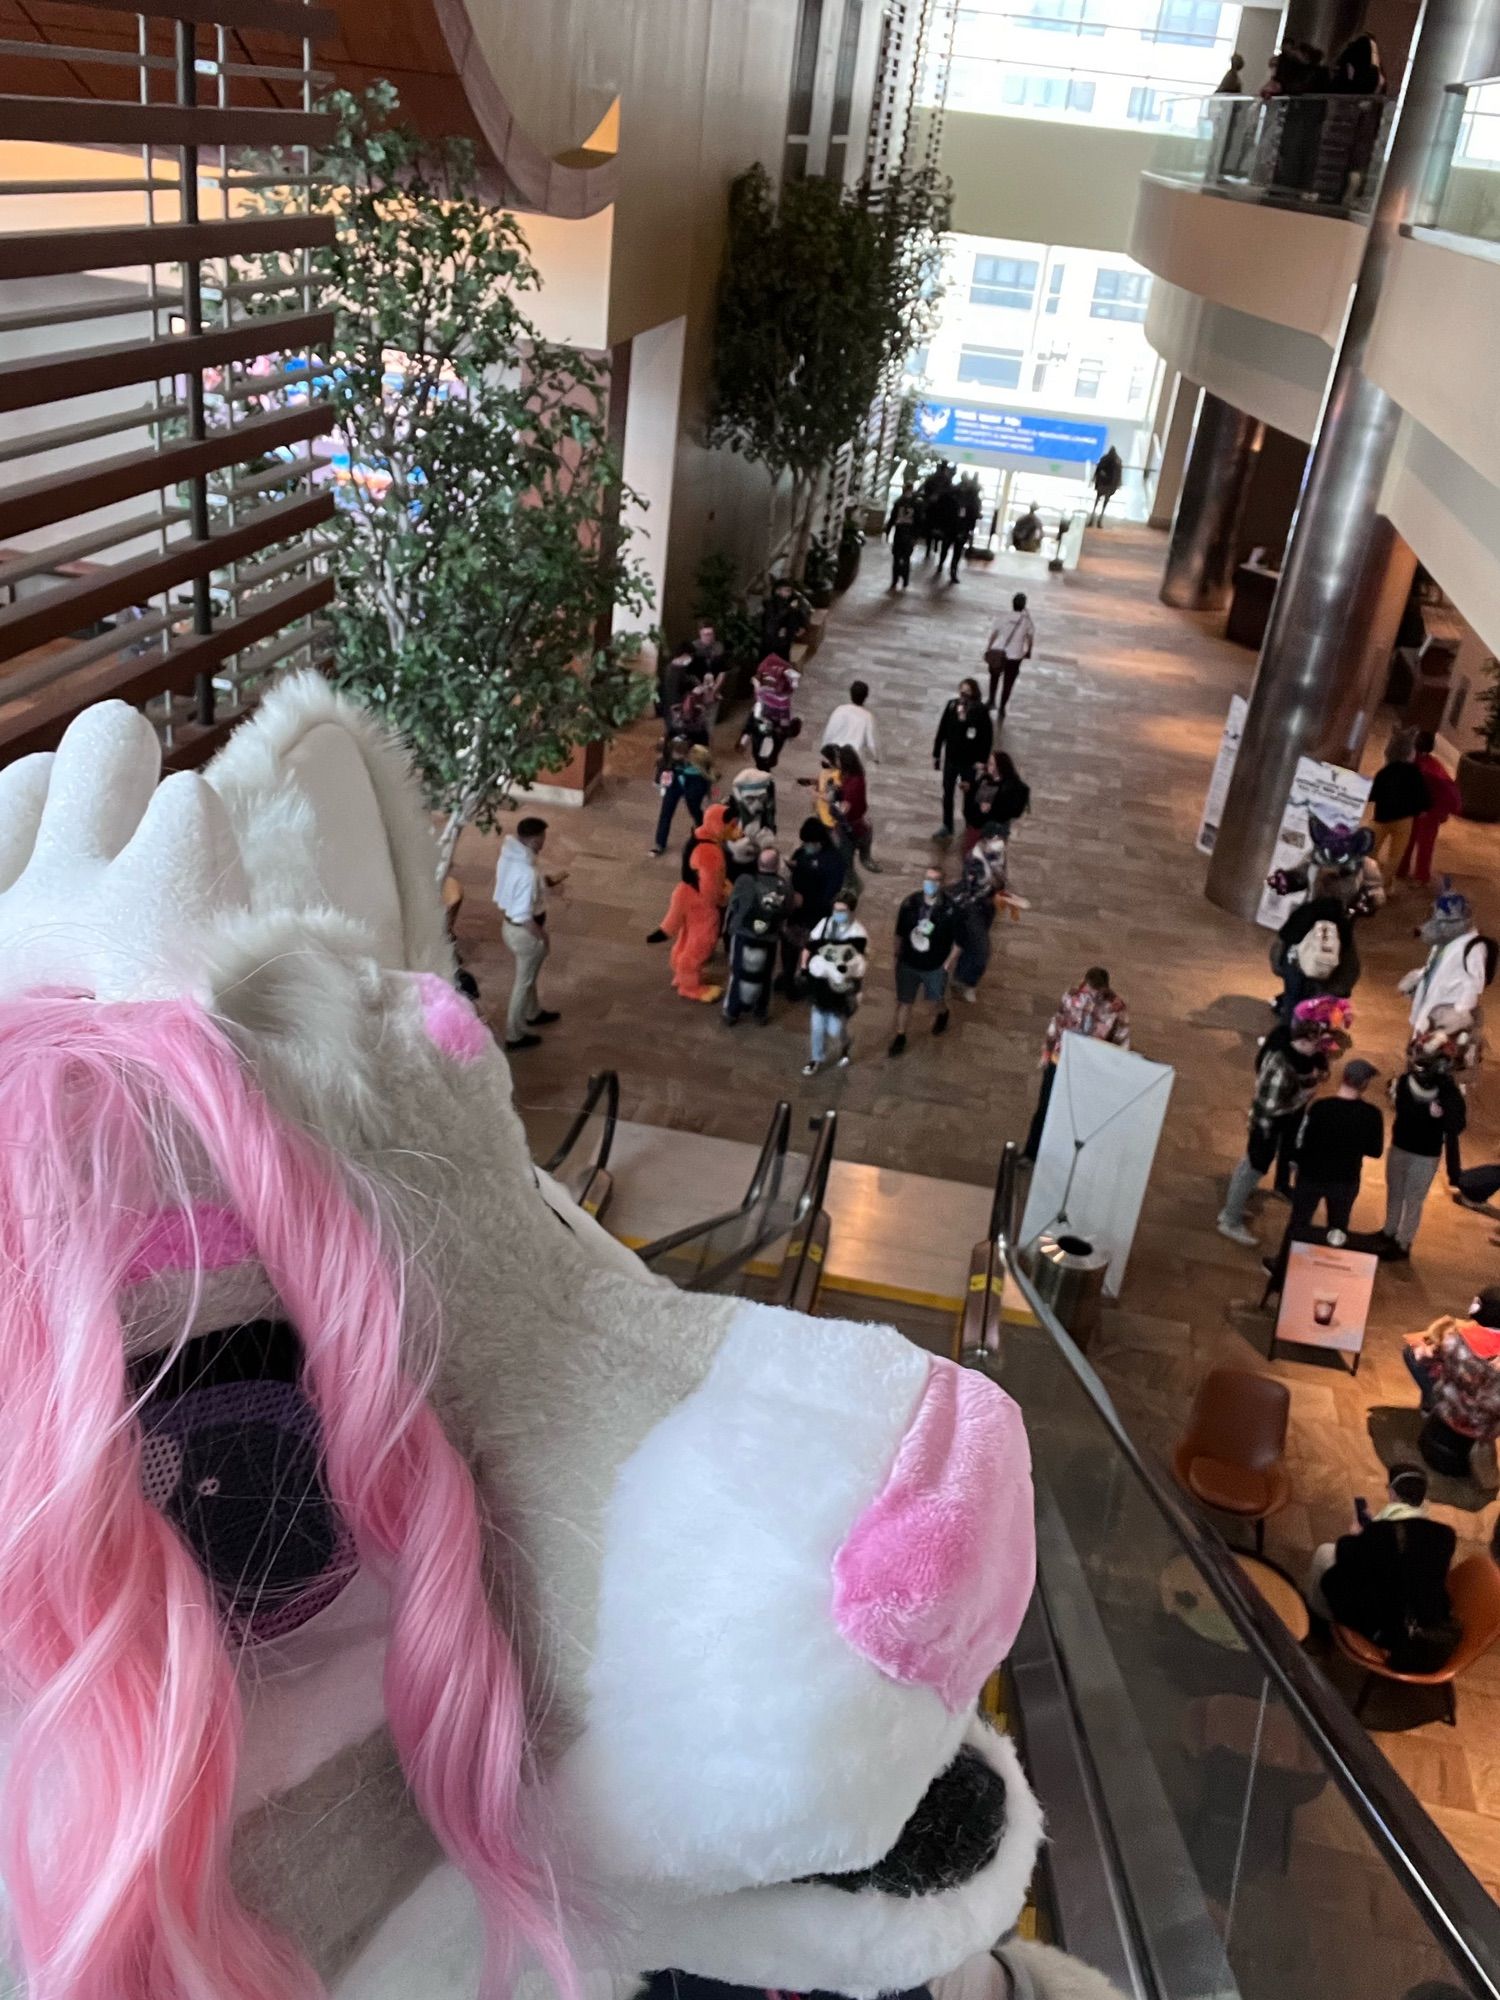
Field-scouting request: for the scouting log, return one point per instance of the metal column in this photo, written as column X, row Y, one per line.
column 1313, row 690
column 1221, row 463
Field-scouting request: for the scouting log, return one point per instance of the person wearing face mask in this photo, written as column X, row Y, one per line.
column 817, row 874
column 835, row 961
column 1430, row 1118
column 963, row 739
column 926, row 932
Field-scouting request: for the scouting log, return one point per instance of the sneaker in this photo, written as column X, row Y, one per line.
column 1399, row 1253
column 1238, row 1232
column 544, row 1018
column 940, row 1025
column 1336, row 1239
column 812, row 1068
column 656, row 852
column 966, row 993
column 898, row 1046
column 846, row 1058
column 525, row 1042
column 943, row 834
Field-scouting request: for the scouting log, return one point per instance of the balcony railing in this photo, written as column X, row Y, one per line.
column 1319, row 153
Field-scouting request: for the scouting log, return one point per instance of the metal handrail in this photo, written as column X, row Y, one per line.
column 809, row 1205
column 1451, row 1900
column 606, row 1084
column 765, row 1185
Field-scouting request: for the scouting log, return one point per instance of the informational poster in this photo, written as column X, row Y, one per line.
column 1337, row 797
column 1218, row 784
column 1098, row 1144
column 1325, row 1299
column 1027, row 434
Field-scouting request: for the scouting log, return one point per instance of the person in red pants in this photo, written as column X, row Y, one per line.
column 696, row 909
column 1443, row 791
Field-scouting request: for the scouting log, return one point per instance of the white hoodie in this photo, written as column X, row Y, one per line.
column 520, row 893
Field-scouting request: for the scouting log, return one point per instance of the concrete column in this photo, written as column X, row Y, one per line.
column 1221, row 463
column 1327, row 24
column 1176, row 435
column 1317, row 662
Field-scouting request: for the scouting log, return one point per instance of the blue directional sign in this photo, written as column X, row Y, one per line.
column 1015, row 433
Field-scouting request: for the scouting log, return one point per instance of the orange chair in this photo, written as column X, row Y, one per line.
column 1231, row 1455
column 1474, row 1589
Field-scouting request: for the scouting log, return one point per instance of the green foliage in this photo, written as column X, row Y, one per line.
column 1489, row 703
column 478, row 561
column 851, row 535
column 817, row 574
column 823, row 291
column 717, row 596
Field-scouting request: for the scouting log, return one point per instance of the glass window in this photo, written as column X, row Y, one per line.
column 1047, row 93
column 1120, row 295
column 1141, row 109
column 1003, row 281
column 843, row 75
column 1074, row 17
column 1090, row 374
column 995, row 367
column 1054, row 289
column 1192, row 21
column 916, row 361
column 805, row 68
column 1039, row 376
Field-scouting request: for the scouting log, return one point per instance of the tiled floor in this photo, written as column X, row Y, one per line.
column 1114, row 725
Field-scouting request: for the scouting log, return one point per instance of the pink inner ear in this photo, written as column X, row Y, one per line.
column 452, row 1024
column 935, row 1576
column 205, row 1236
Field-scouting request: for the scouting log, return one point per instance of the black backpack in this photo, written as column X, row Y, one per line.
column 773, row 900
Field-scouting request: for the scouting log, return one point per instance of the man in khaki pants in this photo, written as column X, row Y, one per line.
column 521, row 897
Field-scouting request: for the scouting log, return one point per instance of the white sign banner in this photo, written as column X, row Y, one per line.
column 1337, row 797
column 1218, row 784
column 1098, row 1143
column 1325, row 1298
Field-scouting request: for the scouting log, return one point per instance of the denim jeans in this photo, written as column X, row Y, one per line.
column 830, row 1034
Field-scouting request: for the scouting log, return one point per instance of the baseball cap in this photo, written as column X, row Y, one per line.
column 1360, row 1072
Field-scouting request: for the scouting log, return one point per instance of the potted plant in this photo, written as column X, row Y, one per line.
column 1479, row 770
column 851, row 542
column 817, row 574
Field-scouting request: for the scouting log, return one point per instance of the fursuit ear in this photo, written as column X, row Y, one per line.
column 329, row 817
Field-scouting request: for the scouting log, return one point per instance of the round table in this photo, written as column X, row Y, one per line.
column 1188, row 1599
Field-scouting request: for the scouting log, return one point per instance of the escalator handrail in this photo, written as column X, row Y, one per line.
column 1452, row 1901
column 811, row 1197
column 765, row 1185
column 606, row 1084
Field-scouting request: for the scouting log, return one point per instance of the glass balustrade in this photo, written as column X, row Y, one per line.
column 1470, row 204
column 1313, row 152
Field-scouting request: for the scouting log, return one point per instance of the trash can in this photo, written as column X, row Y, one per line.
column 1068, row 1273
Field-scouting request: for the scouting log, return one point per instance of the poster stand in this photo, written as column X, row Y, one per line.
column 1325, row 1299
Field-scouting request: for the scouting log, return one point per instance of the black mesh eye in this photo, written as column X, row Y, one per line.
column 251, row 1503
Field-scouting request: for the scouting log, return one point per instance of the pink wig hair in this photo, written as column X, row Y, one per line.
column 115, row 1812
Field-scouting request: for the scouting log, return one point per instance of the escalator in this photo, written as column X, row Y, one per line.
column 1221, row 1828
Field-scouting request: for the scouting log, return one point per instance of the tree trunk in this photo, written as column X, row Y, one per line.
column 448, row 842
column 804, row 499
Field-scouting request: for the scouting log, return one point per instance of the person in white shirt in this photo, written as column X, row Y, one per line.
column 521, row 898
column 1009, row 643
column 852, row 723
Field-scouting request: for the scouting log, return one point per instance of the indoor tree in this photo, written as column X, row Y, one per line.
column 480, row 554
column 824, row 289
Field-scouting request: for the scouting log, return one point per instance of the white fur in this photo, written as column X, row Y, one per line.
column 298, row 802
column 730, row 1723
column 808, row 1935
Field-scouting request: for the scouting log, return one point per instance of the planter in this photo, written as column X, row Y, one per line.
column 1479, row 783
column 848, row 567
column 820, row 596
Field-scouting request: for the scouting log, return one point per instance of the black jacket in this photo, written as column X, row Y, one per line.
column 1399, row 791
column 1389, row 1582
column 1415, row 1130
column 989, row 801
column 817, row 876
column 933, row 949
column 962, row 741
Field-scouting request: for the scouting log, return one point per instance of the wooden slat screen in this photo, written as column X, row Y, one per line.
column 163, row 482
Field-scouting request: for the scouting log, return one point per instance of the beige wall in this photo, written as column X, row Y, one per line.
column 1450, row 515
column 1264, row 369
column 1294, row 270
column 1044, row 182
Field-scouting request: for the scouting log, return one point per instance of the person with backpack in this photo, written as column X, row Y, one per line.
column 834, row 963
column 1460, row 965
column 1388, row 1578
column 771, row 723
column 1289, row 1066
column 926, row 932
column 962, row 742
column 685, row 777
column 759, row 906
column 1315, row 946
column 901, row 526
column 980, row 887
column 1443, row 800
column 817, row 875
column 995, row 797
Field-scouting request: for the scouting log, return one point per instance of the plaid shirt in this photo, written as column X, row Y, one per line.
column 1281, row 1088
column 1467, row 1385
column 1086, row 1011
